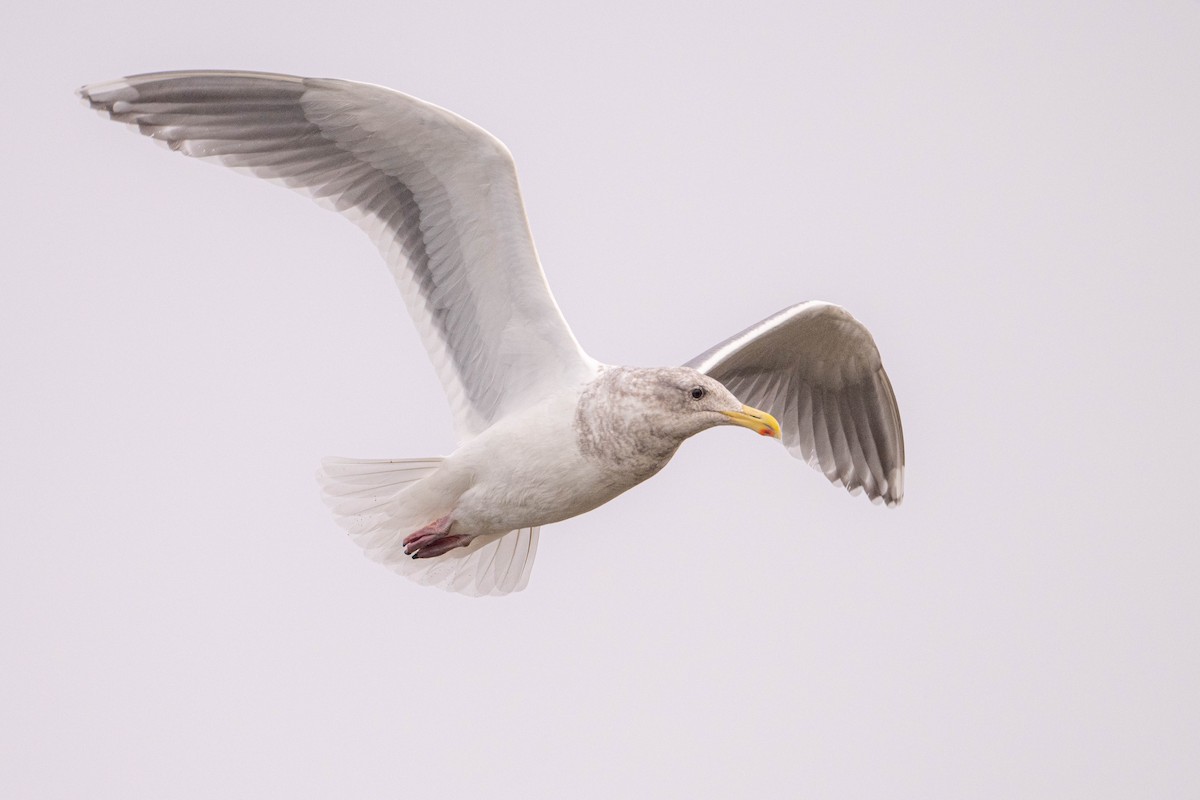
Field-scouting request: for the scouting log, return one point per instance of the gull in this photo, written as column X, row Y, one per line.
column 545, row 432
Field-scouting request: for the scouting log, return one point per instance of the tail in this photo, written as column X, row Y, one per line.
column 378, row 503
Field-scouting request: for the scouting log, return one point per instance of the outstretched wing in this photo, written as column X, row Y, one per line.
column 437, row 194
column 816, row 369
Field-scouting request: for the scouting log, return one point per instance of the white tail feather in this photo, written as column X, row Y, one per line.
column 373, row 501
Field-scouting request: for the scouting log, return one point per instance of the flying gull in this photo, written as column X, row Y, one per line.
column 545, row 432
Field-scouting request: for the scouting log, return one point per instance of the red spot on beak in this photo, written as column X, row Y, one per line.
column 766, row 432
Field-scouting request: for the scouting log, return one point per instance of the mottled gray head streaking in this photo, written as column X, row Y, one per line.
column 545, row 431
column 634, row 419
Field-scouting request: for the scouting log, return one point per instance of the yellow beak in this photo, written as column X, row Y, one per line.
column 760, row 422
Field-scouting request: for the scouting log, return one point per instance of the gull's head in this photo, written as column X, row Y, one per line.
column 686, row 402
column 654, row 410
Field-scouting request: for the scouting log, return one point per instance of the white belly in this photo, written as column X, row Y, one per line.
column 527, row 471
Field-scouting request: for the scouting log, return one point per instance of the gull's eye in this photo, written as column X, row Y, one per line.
column 698, row 392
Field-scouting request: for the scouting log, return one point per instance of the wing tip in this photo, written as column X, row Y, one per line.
column 893, row 491
column 101, row 96
column 888, row 493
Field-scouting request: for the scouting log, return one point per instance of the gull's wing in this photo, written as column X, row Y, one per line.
column 437, row 194
column 816, row 369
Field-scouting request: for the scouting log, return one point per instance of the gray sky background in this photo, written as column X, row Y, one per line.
column 1007, row 195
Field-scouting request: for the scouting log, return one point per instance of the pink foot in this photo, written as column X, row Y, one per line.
column 434, row 539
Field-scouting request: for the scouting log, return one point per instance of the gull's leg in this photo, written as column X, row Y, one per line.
column 434, row 540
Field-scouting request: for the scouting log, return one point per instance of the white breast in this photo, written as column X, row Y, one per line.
column 528, row 470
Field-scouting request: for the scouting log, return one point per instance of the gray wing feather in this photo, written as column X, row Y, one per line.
column 438, row 195
column 817, row 370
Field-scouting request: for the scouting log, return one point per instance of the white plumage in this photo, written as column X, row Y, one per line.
column 545, row 432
